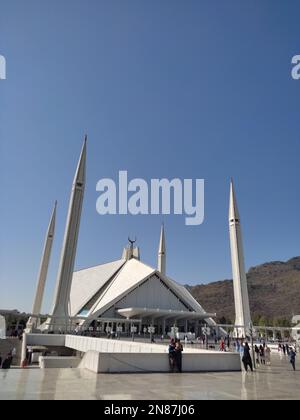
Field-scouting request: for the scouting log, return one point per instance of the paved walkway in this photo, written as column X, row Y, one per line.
column 268, row 382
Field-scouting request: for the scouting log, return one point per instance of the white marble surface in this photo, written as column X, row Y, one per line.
column 269, row 382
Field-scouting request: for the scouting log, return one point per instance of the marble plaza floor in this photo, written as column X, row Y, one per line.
column 268, row 382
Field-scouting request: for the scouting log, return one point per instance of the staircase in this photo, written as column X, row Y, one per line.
column 7, row 345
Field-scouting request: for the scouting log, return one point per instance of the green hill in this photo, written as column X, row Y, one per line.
column 274, row 294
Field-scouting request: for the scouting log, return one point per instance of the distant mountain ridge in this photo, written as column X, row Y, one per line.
column 274, row 293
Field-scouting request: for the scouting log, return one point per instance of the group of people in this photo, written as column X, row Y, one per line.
column 284, row 348
column 6, row 362
column 262, row 354
column 175, row 355
column 15, row 333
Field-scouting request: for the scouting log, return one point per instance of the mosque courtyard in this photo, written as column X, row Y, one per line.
column 274, row 382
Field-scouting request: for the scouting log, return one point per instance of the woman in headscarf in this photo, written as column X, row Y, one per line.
column 247, row 361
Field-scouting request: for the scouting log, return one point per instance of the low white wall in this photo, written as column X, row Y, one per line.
column 211, row 362
column 105, row 355
column 46, row 340
column 158, row 362
column 47, row 362
column 90, row 361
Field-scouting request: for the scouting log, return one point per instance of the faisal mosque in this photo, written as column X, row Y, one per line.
column 127, row 295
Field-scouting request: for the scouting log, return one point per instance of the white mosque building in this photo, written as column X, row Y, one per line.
column 127, row 293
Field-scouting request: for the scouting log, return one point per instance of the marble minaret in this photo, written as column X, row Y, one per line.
column 60, row 312
column 37, row 305
column 161, row 264
column 241, row 299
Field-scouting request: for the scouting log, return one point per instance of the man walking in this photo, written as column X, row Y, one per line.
column 293, row 358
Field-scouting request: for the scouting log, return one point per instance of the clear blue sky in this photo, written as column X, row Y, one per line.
column 188, row 89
